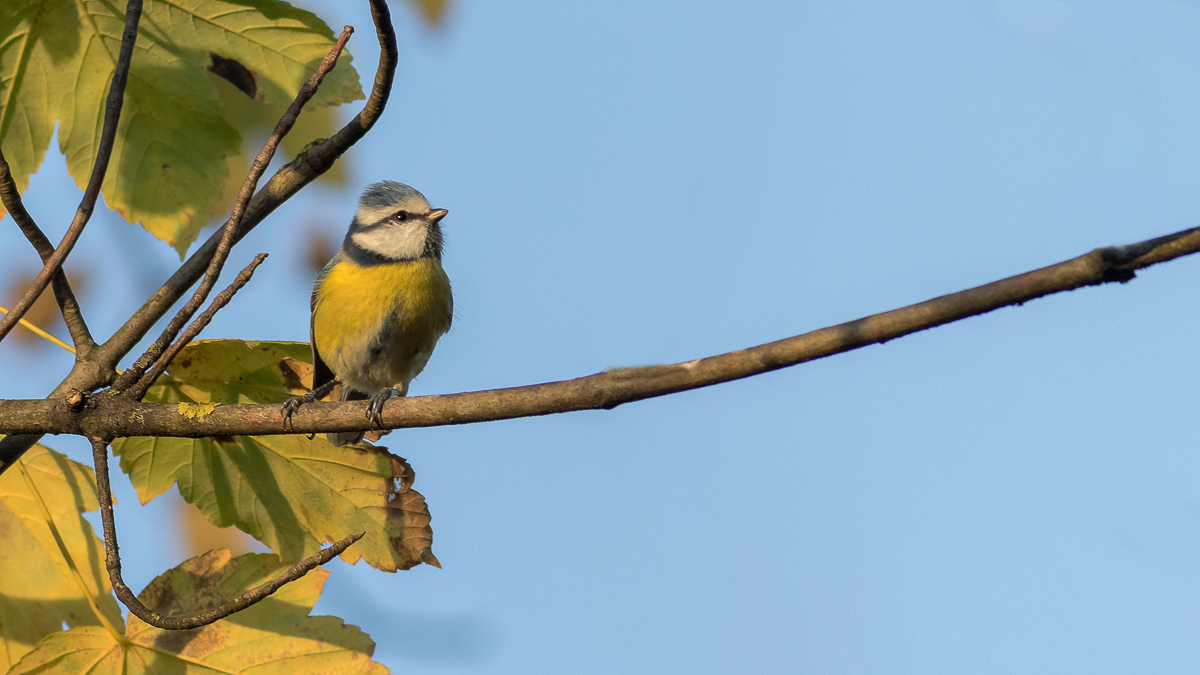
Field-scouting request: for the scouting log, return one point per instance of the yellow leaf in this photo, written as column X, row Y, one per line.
column 38, row 593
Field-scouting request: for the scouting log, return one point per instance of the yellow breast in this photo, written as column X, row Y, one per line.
column 407, row 305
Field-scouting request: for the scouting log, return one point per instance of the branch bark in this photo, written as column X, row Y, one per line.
column 108, row 135
column 111, row 417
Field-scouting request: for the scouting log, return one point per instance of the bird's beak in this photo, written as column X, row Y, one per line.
column 436, row 215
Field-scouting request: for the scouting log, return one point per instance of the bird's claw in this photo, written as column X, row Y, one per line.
column 293, row 404
column 375, row 404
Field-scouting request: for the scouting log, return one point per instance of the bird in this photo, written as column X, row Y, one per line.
column 380, row 305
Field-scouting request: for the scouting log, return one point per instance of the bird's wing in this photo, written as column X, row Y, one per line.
column 321, row 372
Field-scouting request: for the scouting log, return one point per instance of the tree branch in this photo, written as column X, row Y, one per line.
column 108, row 134
column 112, row 560
column 230, row 230
column 113, row 417
column 10, row 196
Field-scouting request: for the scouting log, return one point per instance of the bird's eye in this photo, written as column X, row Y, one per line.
column 401, row 216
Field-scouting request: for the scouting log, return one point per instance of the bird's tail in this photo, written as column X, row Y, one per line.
column 348, row 437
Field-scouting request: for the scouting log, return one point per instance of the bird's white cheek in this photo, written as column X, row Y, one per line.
column 399, row 241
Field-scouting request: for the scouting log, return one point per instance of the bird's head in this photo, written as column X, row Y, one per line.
column 395, row 222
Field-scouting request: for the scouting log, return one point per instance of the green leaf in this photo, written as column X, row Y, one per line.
column 37, row 590
column 276, row 636
column 170, row 162
column 291, row 493
column 279, row 45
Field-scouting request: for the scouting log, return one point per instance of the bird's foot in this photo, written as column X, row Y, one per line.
column 293, row 404
column 375, row 404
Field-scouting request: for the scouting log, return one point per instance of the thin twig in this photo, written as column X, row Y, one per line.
column 10, row 196
column 604, row 390
column 112, row 560
column 137, row 391
column 108, row 135
column 287, row 181
column 230, row 231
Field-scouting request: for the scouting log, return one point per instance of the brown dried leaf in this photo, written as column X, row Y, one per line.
column 319, row 249
column 433, row 11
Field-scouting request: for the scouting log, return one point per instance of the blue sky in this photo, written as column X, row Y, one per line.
column 637, row 183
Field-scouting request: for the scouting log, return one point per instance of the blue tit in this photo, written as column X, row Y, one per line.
column 381, row 304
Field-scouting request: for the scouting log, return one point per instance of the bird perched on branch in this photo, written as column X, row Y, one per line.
column 381, row 304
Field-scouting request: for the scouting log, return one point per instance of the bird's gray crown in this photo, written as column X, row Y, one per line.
column 384, row 198
column 388, row 192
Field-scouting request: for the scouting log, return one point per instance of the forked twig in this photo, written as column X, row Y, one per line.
column 230, row 231
column 108, row 135
column 137, row 391
column 112, row 560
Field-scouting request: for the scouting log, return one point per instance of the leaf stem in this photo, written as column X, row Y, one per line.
column 40, row 332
